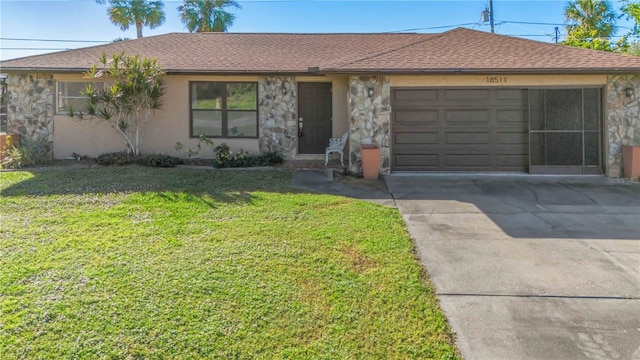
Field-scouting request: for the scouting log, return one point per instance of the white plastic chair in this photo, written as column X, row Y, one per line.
column 336, row 145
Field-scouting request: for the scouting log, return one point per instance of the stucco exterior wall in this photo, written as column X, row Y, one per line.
column 622, row 119
column 168, row 126
column 30, row 108
column 171, row 124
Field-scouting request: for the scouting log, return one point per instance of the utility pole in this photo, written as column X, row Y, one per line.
column 491, row 14
column 557, row 34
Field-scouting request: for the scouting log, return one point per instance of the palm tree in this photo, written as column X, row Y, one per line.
column 207, row 15
column 125, row 13
column 594, row 17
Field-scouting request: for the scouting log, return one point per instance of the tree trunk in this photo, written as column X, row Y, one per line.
column 139, row 29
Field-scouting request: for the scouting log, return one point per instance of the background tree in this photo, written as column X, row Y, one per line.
column 634, row 48
column 632, row 10
column 207, row 15
column 120, row 39
column 593, row 22
column 125, row 13
column 133, row 90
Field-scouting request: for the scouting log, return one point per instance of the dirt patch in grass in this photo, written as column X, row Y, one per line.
column 358, row 262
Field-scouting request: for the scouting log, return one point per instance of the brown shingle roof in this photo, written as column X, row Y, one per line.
column 464, row 50
column 456, row 50
column 228, row 52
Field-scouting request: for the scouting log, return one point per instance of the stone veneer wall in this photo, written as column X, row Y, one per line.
column 277, row 115
column 30, row 108
column 622, row 119
column 369, row 119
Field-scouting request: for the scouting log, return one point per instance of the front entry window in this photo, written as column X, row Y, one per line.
column 224, row 109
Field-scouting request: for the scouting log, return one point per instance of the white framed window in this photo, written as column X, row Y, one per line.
column 69, row 93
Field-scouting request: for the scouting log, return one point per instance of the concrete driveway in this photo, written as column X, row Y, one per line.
column 530, row 267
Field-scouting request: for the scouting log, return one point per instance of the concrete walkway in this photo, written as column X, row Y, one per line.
column 530, row 267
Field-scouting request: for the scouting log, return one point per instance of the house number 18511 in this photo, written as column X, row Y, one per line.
column 497, row 79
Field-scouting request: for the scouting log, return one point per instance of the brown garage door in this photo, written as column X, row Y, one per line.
column 459, row 130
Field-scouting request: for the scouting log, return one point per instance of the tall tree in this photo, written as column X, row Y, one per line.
column 207, row 15
column 589, row 16
column 125, row 13
column 593, row 22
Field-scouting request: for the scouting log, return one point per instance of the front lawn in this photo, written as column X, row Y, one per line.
column 132, row 262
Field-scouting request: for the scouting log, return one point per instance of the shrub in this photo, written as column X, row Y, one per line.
column 223, row 155
column 226, row 159
column 242, row 159
column 159, row 160
column 116, row 158
column 273, row 157
column 24, row 154
column 125, row 158
column 189, row 152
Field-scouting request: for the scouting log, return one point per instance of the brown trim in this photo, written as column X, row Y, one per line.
column 337, row 71
column 173, row 71
column 561, row 71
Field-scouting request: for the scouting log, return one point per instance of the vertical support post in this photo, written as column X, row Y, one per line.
column 3, row 103
column 491, row 15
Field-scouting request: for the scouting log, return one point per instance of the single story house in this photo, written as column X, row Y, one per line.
column 462, row 100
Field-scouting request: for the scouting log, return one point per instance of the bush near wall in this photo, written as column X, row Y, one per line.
column 125, row 158
column 226, row 159
column 22, row 153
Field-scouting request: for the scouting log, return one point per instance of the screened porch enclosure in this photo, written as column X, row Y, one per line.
column 565, row 131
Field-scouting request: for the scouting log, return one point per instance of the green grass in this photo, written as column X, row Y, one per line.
column 131, row 262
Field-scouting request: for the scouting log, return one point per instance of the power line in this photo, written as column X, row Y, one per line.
column 552, row 24
column 432, row 28
column 531, row 23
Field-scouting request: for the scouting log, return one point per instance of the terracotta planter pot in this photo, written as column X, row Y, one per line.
column 370, row 161
column 5, row 143
column 631, row 161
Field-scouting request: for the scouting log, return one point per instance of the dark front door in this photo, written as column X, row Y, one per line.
column 314, row 117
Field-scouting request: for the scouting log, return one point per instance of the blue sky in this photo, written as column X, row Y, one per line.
column 86, row 20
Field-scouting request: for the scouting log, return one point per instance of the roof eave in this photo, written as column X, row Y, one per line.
column 241, row 72
column 345, row 71
column 172, row 71
column 43, row 70
column 484, row 71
